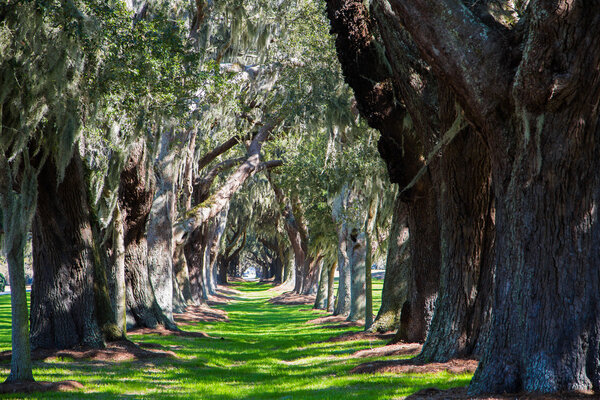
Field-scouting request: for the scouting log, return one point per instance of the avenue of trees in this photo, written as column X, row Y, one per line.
column 155, row 149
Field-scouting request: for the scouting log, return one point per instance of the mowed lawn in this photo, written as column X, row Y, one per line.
column 265, row 351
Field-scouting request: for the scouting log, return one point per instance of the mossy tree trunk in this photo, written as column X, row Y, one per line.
column 17, row 214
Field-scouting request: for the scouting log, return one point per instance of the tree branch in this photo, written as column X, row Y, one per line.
column 202, row 185
column 467, row 54
column 217, row 151
column 215, row 203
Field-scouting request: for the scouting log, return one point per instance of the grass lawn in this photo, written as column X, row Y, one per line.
column 267, row 352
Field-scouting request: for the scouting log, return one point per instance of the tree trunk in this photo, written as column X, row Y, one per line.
column 535, row 100
column 159, row 232
column 289, row 271
column 342, row 306
column 370, row 247
column 330, row 287
column 293, row 231
column 63, row 313
column 417, row 310
column 182, row 292
column 16, row 222
column 136, row 192
column 214, row 245
column 357, row 286
column 397, row 273
column 461, row 320
column 321, row 299
column 197, row 252
column 222, row 270
column 116, row 273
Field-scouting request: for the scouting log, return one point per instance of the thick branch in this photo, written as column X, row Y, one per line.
column 215, row 203
column 468, row 55
column 217, row 151
column 202, row 185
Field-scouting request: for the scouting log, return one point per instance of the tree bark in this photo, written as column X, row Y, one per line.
column 312, row 275
column 538, row 112
column 136, row 192
column 461, row 320
column 182, row 292
column 330, row 287
column 116, row 273
column 417, row 310
column 16, row 222
column 397, row 273
column 321, row 299
column 220, row 225
column 63, row 313
column 342, row 306
column 159, row 231
column 357, row 286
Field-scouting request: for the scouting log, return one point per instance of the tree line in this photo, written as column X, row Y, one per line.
column 166, row 143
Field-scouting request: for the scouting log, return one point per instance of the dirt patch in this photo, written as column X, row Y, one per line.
column 362, row 335
column 123, row 350
column 401, row 349
column 455, row 366
column 201, row 314
column 461, row 394
column 162, row 331
column 31, row 387
column 290, row 298
column 334, row 322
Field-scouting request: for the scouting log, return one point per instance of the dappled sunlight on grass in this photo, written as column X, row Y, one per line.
column 265, row 351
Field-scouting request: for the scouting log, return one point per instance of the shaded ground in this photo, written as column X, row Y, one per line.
column 402, row 349
column 461, row 394
column 162, row 331
column 123, row 350
column 204, row 313
column 361, row 335
column 31, row 387
column 410, row 366
column 290, row 299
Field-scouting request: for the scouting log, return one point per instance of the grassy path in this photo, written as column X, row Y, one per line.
column 267, row 352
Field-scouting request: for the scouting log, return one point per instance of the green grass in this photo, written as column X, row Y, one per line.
column 267, row 352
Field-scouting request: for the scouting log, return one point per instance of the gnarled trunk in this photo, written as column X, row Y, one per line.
column 136, row 192
column 417, row 310
column 462, row 316
column 63, row 312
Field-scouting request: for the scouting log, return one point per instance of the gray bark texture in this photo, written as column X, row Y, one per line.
column 342, row 305
column 116, row 273
column 136, row 192
column 321, row 299
column 63, row 311
column 159, row 231
column 16, row 222
column 357, row 286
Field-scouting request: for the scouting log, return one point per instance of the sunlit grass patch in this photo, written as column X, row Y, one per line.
column 266, row 352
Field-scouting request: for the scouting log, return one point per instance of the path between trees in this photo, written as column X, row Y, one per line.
column 245, row 347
